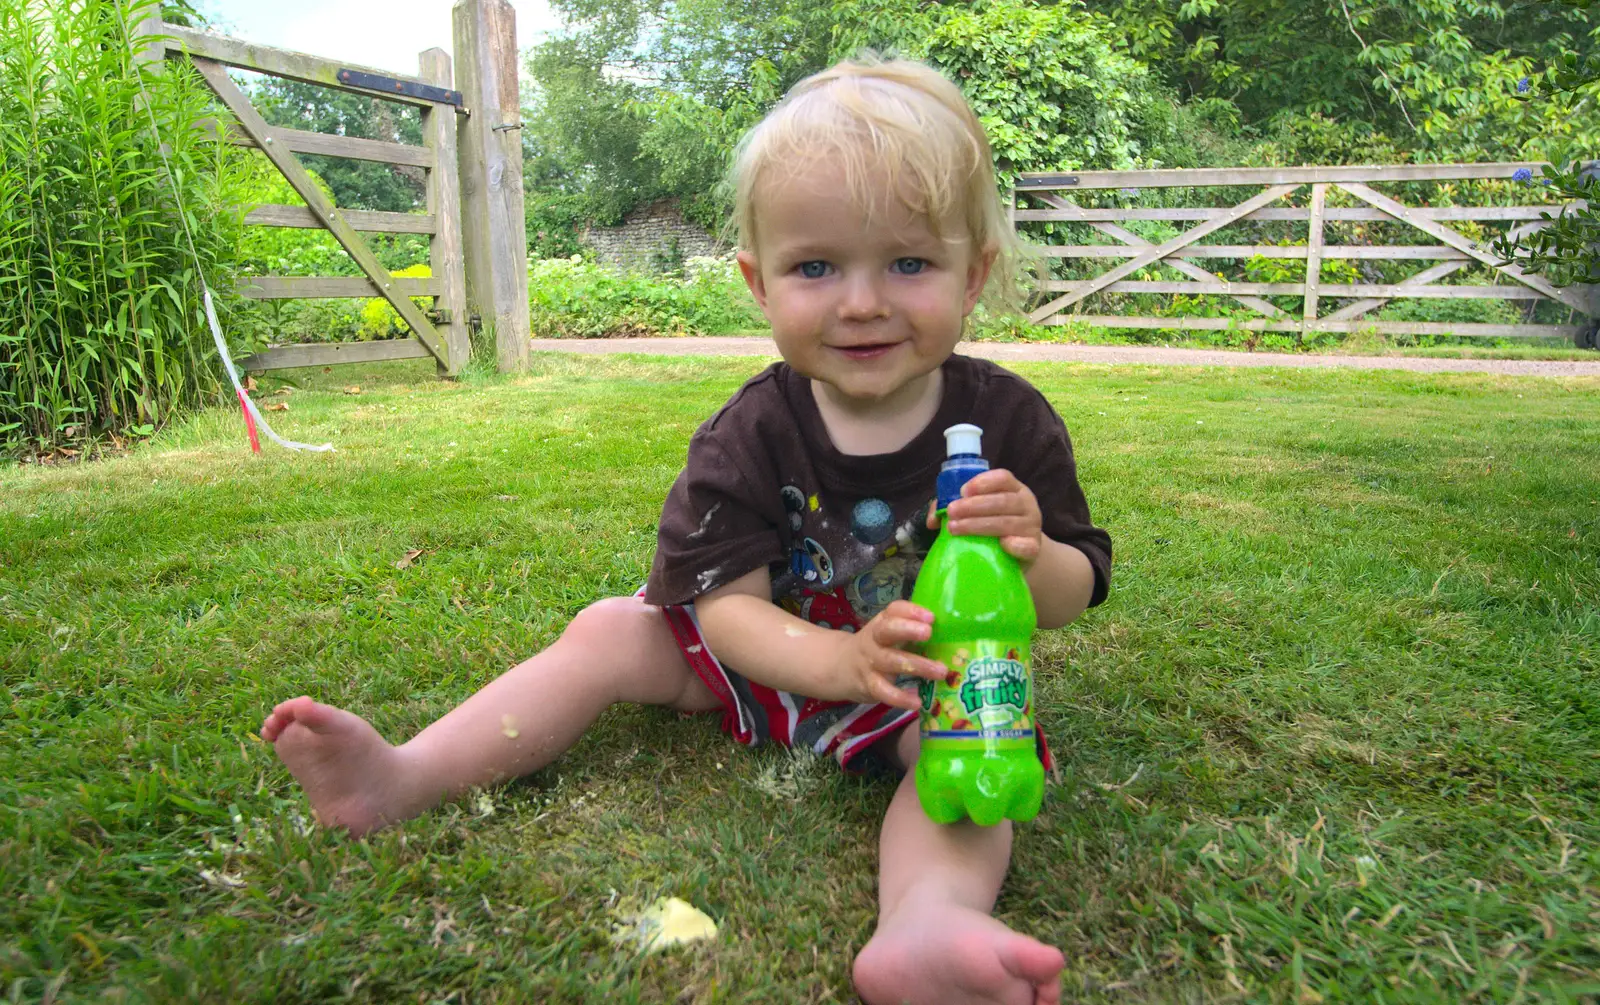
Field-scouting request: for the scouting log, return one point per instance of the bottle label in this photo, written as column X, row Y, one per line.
column 987, row 695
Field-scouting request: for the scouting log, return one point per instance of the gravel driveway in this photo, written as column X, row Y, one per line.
column 1146, row 355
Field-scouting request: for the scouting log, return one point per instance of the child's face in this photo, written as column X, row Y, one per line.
column 868, row 303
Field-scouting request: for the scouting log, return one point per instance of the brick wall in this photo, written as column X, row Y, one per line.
column 645, row 239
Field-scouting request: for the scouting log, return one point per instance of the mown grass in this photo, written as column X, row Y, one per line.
column 1333, row 737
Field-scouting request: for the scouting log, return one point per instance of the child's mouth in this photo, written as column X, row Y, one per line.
column 872, row 351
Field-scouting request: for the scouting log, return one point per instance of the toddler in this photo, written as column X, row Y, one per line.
column 869, row 224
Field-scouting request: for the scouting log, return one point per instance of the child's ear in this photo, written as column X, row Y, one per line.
column 978, row 277
column 751, row 270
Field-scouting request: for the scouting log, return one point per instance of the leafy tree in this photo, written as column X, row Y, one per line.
column 643, row 100
column 1051, row 89
column 581, row 130
column 1439, row 76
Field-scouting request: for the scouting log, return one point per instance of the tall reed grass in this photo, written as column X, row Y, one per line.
column 100, row 321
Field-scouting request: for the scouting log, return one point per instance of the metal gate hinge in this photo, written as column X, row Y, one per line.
column 390, row 85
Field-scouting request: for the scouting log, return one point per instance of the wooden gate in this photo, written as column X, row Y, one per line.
column 474, row 243
column 1453, row 252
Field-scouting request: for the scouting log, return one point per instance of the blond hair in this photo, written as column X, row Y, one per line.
column 892, row 125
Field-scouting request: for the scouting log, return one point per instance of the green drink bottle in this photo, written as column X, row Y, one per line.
column 978, row 757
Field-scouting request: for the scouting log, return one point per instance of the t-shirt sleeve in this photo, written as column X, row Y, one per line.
column 713, row 528
column 1039, row 453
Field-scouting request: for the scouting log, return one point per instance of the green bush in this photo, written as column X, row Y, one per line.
column 379, row 319
column 262, row 323
column 286, row 251
column 100, row 320
column 555, row 223
column 293, row 251
column 574, row 298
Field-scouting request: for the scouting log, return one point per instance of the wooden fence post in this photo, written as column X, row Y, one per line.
column 439, row 131
column 1314, row 245
column 145, row 48
column 494, row 229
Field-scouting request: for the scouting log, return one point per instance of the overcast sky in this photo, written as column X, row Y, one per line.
column 386, row 34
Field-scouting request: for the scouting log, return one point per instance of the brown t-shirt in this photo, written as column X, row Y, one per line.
column 844, row 535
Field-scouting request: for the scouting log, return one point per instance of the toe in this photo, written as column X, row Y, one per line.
column 304, row 710
column 314, row 715
column 1032, row 961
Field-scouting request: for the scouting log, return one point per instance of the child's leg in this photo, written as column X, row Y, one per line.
column 616, row 650
column 936, row 942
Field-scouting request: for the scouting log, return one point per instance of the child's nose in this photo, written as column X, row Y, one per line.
column 863, row 299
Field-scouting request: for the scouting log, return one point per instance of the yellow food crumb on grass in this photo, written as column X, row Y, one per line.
column 666, row 923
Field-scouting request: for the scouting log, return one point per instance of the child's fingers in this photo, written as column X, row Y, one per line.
column 996, row 526
column 1024, row 549
column 889, row 632
column 907, row 610
column 933, row 514
column 901, row 662
column 995, row 480
column 883, row 690
column 993, row 504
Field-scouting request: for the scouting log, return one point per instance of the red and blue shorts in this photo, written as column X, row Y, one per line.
column 754, row 713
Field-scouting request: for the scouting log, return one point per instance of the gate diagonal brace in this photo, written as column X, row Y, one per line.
column 295, row 173
column 1128, row 237
column 1156, row 253
column 1405, row 214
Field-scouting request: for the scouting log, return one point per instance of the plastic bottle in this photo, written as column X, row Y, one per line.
column 978, row 757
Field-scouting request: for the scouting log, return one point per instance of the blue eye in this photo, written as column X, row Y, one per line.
column 813, row 270
column 909, row 266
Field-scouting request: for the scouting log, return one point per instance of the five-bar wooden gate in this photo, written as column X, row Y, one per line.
column 475, row 242
column 1453, row 253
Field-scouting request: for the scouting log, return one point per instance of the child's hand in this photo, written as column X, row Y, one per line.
column 872, row 660
column 996, row 504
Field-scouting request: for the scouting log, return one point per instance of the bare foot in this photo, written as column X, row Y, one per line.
column 353, row 778
column 944, row 954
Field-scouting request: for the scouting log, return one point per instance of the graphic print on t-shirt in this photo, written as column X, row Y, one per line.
column 841, row 582
column 811, row 563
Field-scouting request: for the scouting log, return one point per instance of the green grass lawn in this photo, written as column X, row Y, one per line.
column 1333, row 737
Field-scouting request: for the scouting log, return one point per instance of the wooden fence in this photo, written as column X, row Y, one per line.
column 474, row 217
column 1452, row 253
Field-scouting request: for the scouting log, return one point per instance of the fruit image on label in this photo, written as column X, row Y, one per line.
column 986, row 695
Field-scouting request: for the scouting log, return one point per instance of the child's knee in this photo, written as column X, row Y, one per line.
column 609, row 622
column 631, row 641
